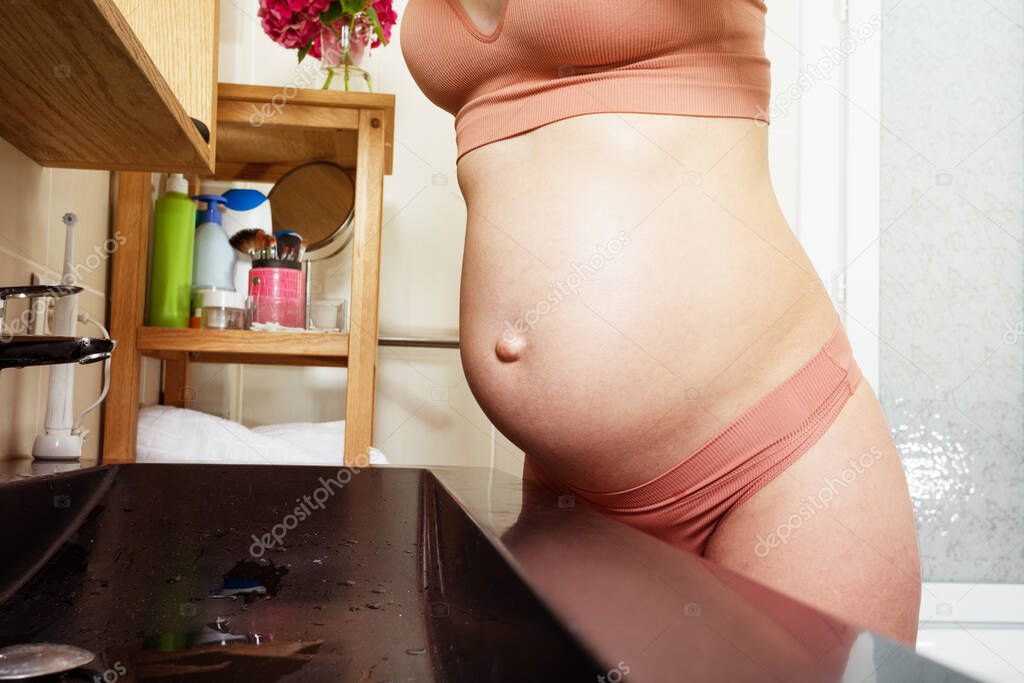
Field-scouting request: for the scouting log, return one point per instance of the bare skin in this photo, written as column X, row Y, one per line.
column 630, row 287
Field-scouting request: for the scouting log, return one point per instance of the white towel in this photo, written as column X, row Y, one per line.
column 177, row 435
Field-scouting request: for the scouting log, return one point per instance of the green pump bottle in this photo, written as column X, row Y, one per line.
column 170, row 275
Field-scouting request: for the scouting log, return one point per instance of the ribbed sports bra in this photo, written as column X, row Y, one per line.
column 549, row 60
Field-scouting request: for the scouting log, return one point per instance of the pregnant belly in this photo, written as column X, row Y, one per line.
column 623, row 304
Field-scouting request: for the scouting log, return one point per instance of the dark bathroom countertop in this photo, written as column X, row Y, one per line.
column 643, row 610
column 13, row 468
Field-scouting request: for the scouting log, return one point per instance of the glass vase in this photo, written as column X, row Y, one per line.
column 342, row 49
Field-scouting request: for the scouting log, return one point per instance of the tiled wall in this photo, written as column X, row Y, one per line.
column 952, row 270
column 32, row 241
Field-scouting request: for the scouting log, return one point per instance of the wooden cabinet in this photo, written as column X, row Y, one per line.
column 110, row 84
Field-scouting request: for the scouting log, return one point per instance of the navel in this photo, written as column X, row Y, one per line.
column 510, row 347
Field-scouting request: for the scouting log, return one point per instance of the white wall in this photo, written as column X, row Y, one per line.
column 425, row 412
column 32, row 241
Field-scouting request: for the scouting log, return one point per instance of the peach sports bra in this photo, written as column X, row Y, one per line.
column 549, row 60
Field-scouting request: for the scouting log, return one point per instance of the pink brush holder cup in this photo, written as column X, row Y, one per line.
column 277, row 290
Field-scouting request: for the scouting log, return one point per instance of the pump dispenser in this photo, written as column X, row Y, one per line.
column 215, row 258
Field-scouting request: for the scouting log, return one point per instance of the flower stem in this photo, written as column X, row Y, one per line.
column 330, row 77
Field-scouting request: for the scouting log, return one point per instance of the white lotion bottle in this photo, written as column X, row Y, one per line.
column 214, row 262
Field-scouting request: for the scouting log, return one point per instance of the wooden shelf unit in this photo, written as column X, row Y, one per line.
column 244, row 346
column 307, row 125
column 354, row 129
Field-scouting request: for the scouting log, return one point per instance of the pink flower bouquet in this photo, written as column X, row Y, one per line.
column 337, row 32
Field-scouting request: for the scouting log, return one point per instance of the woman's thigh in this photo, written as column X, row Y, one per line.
column 836, row 529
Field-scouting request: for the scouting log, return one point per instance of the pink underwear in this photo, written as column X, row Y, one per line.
column 684, row 505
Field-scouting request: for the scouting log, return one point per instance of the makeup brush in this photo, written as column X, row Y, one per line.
column 289, row 242
column 247, row 241
column 260, row 245
column 263, row 246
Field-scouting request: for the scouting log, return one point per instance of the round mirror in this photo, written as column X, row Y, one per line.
column 315, row 200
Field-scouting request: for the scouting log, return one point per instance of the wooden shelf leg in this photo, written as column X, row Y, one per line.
column 127, row 307
column 362, row 360
column 178, row 390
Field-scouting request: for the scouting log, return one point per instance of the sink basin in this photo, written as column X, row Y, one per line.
column 267, row 573
column 384, row 579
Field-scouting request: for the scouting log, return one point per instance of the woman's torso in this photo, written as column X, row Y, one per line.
column 643, row 263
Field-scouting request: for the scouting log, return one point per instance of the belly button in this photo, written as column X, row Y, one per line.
column 509, row 347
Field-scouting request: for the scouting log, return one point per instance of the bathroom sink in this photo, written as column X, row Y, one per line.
column 162, row 568
column 267, row 573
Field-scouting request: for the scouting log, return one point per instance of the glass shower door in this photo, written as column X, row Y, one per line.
column 951, row 267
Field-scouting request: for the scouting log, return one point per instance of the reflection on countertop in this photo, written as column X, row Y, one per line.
column 640, row 604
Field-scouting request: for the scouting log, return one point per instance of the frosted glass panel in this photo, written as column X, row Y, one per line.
column 952, row 276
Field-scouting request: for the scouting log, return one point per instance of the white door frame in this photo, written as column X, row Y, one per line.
column 821, row 82
column 863, row 178
column 840, row 165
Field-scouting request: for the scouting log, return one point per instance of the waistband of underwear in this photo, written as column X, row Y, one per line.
column 779, row 416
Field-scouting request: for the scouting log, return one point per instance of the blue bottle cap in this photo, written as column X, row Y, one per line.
column 211, row 214
column 242, row 199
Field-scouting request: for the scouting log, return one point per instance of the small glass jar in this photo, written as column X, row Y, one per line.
column 222, row 310
column 323, row 315
column 222, row 318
